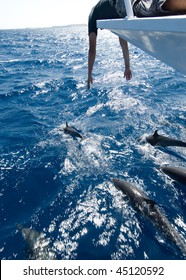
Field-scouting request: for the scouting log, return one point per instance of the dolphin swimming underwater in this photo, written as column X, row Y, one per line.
column 38, row 245
column 152, row 211
column 72, row 131
column 176, row 173
column 160, row 140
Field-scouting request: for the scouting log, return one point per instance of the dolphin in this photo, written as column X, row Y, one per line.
column 150, row 209
column 72, row 131
column 38, row 245
column 160, row 140
column 176, row 173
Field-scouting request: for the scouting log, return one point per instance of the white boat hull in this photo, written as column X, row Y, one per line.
column 162, row 37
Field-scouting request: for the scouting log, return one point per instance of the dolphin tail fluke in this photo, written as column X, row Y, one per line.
column 82, row 138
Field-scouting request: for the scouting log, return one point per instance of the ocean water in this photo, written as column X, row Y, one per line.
column 62, row 186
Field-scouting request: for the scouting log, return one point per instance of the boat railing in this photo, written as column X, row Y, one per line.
column 128, row 7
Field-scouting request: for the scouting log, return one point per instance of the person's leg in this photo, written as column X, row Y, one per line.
column 175, row 5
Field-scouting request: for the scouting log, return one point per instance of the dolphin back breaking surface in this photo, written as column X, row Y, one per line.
column 164, row 141
column 150, row 209
column 72, row 131
column 38, row 245
column 176, row 173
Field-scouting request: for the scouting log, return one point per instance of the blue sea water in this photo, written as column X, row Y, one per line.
column 62, row 186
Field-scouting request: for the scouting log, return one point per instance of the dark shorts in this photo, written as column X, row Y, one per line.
column 141, row 8
column 150, row 8
column 103, row 10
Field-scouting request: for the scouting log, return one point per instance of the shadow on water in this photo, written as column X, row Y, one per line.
column 172, row 153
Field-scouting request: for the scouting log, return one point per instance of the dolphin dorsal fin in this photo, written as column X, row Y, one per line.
column 150, row 201
column 19, row 227
column 156, row 133
column 66, row 124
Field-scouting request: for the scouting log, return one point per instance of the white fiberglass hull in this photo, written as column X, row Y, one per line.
column 162, row 37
